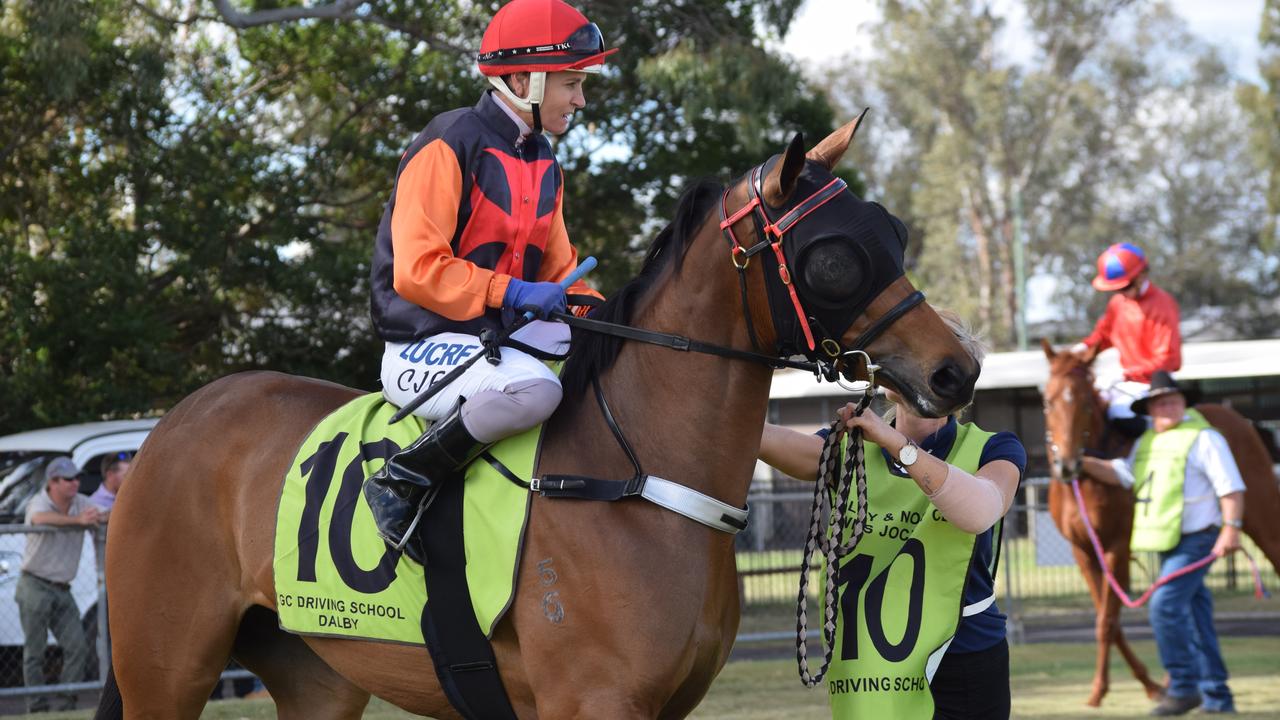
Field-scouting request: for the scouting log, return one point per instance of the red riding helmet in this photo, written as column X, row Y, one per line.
column 1118, row 265
column 540, row 36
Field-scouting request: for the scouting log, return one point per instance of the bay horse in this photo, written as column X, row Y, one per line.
column 1075, row 422
column 647, row 606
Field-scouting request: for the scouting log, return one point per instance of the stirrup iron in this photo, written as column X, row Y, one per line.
column 408, row 533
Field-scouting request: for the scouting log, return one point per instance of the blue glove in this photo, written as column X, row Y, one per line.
column 542, row 298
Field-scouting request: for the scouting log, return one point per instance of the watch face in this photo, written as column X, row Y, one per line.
column 907, row 455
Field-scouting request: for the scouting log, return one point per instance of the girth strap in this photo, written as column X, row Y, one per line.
column 673, row 496
column 464, row 661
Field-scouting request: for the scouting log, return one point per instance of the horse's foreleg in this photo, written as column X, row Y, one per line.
column 1102, row 626
column 592, row 703
column 1120, row 567
column 1153, row 689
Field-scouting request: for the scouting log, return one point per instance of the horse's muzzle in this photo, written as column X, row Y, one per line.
column 952, row 382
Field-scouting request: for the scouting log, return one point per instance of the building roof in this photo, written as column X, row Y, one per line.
column 1029, row 368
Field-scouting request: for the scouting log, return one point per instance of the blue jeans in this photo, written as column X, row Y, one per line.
column 1182, row 621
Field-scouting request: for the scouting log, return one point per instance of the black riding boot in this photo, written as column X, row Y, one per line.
column 412, row 477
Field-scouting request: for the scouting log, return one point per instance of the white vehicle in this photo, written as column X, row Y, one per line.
column 23, row 458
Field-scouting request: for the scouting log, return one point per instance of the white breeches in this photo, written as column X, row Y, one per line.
column 1119, row 395
column 502, row 399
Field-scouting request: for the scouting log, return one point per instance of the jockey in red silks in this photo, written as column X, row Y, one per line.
column 1141, row 322
column 472, row 237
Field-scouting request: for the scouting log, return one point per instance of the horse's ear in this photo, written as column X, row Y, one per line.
column 829, row 151
column 781, row 181
column 1048, row 348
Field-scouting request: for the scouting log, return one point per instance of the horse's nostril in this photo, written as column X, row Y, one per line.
column 948, row 380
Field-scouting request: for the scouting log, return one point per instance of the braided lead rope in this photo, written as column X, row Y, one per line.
column 825, row 537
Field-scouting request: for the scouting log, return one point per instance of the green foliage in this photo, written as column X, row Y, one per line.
column 181, row 199
column 691, row 94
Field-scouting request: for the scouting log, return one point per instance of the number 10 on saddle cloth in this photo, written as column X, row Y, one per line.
column 334, row 576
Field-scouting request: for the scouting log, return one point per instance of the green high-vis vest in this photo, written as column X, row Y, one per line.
column 1159, row 472
column 901, row 593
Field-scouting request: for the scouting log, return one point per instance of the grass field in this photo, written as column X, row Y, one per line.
column 1050, row 681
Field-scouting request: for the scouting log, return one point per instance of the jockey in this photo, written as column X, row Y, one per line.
column 472, row 236
column 1141, row 321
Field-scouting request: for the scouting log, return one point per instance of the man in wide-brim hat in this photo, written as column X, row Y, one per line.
column 1162, row 384
column 1190, row 504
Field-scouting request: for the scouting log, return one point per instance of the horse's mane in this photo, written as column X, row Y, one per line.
column 593, row 353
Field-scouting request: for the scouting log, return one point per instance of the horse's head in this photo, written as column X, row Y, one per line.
column 1071, row 413
column 834, row 276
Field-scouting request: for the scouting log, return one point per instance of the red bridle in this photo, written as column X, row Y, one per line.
column 741, row 256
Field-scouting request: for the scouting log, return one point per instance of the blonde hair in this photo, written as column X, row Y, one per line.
column 968, row 338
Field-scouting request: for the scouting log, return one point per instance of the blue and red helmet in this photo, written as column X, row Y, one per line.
column 1118, row 265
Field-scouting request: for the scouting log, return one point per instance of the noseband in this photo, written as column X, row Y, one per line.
column 782, row 291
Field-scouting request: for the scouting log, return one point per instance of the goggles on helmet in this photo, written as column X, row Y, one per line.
column 583, row 42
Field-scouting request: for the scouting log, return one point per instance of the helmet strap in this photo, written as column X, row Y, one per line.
column 537, row 87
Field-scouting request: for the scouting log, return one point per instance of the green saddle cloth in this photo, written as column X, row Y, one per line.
column 334, row 576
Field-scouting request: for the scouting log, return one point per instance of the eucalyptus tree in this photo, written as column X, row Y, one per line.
column 1087, row 124
column 1263, row 104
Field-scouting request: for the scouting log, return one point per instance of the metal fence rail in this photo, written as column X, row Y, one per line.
column 1037, row 582
column 89, row 590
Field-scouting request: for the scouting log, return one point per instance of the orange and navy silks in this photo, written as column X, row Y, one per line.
column 1145, row 331
column 472, row 207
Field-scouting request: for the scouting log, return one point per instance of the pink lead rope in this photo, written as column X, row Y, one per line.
column 1258, row 590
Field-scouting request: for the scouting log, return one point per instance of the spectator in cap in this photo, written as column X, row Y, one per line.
column 1190, row 501
column 1141, row 322
column 114, row 467
column 49, row 562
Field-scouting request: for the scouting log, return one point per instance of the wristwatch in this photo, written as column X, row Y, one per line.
column 1237, row 524
column 908, row 454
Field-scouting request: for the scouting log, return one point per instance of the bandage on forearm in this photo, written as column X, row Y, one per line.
column 971, row 503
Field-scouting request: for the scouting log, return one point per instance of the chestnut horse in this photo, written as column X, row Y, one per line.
column 648, row 600
column 1075, row 421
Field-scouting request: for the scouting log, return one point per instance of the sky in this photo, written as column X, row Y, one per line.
column 820, row 31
